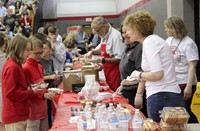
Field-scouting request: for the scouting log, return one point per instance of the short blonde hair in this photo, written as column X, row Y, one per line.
column 70, row 35
column 35, row 43
column 16, row 48
column 141, row 22
column 176, row 25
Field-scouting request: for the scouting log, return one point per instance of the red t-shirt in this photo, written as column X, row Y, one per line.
column 28, row 19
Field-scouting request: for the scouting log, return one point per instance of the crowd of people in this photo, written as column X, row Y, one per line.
column 17, row 16
column 149, row 71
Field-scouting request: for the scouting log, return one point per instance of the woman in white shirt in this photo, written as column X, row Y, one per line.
column 159, row 76
column 186, row 56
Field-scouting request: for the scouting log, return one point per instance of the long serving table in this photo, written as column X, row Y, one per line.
column 65, row 101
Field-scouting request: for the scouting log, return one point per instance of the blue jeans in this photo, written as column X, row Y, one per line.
column 156, row 102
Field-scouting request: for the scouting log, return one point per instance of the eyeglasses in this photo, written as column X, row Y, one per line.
column 37, row 52
column 99, row 30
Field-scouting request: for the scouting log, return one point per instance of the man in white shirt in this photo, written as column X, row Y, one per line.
column 110, row 49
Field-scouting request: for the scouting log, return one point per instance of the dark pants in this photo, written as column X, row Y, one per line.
column 49, row 111
column 187, row 104
column 83, row 51
column 130, row 95
column 156, row 102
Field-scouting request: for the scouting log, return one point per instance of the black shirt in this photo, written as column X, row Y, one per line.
column 48, row 69
column 130, row 61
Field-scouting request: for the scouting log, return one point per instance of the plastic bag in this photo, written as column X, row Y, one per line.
column 90, row 91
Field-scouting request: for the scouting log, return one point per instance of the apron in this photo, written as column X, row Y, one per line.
column 111, row 71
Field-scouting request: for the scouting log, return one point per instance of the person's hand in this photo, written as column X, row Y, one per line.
column 187, row 93
column 49, row 95
column 90, row 45
column 36, row 89
column 119, row 89
column 126, row 82
column 88, row 55
column 135, row 74
column 54, row 77
column 98, row 66
column 138, row 101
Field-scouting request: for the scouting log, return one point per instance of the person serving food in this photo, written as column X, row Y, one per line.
column 110, row 49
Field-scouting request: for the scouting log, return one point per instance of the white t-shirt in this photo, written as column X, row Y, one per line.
column 114, row 45
column 157, row 56
column 184, row 51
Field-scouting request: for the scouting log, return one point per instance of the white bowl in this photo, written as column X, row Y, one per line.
column 55, row 90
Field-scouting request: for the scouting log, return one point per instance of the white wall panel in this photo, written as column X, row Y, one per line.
column 64, row 8
column 125, row 4
column 86, row 8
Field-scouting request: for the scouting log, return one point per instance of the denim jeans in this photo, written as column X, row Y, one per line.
column 156, row 102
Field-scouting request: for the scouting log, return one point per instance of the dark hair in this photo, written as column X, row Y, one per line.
column 41, row 36
column 20, row 4
column 24, row 31
column 46, row 28
column 52, row 29
column 121, row 31
column 48, row 43
column 2, row 39
column 18, row 21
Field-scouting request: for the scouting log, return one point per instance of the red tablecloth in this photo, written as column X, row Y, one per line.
column 66, row 100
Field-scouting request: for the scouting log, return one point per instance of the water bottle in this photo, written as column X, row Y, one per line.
column 123, row 118
column 81, row 122
column 109, row 112
column 88, row 115
column 118, row 109
column 97, row 115
column 103, row 122
column 111, row 106
column 137, row 121
column 113, row 122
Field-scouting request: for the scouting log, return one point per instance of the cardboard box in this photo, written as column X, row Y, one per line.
column 90, row 72
column 71, row 77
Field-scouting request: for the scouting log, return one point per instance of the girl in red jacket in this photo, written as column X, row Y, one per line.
column 15, row 93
